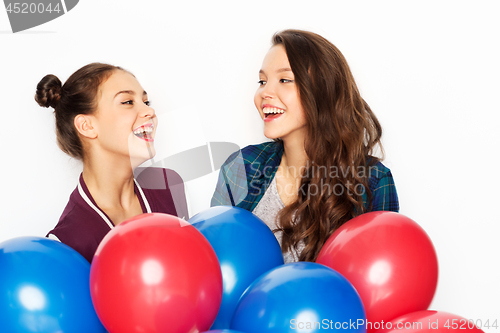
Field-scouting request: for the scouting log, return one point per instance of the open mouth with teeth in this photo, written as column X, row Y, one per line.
column 145, row 132
column 272, row 113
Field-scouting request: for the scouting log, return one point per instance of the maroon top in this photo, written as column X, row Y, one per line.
column 83, row 224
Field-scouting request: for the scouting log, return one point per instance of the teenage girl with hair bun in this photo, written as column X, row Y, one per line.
column 104, row 118
column 320, row 170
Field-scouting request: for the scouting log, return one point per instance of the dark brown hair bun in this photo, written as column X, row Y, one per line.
column 77, row 96
column 48, row 91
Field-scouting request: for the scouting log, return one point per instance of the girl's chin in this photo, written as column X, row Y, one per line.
column 271, row 135
column 141, row 156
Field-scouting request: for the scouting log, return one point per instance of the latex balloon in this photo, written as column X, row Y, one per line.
column 430, row 321
column 44, row 288
column 246, row 248
column 299, row 297
column 156, row 273
column 390, row 261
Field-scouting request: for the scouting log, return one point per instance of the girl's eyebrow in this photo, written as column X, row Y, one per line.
column 281, row 70
column 130, row 92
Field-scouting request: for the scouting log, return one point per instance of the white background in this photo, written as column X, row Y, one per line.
column 429, row 70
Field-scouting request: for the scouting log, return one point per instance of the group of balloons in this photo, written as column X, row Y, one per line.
column 223, row 272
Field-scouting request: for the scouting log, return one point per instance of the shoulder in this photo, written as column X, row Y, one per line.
column 254, row 159
column 379, row 176
column 80, row 229
column 78, row 219
column 384, row 194
column 378, row 171
column 257, row 156
column 262, row 151
column 73, row 223
column 151, row 177
column 245, row 172
column 76, row 212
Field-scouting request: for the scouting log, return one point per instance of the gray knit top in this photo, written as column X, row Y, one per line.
column 267, row 210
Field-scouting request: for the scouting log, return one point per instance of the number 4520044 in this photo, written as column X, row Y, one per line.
column 463, row 324
column 25, row 8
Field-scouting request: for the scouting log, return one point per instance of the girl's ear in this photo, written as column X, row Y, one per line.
column 83, row 124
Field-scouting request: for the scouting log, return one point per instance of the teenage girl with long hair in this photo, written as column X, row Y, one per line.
column 320, row 170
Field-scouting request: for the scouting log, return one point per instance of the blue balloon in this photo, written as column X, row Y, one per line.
column 44, row 287
column 300, row 297
column 246, row 248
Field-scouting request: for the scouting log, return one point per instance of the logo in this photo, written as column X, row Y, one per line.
column 196, row 163
column 28, row 14
column 199, row 161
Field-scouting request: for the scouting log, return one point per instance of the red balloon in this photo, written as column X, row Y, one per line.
column 156, row 273
column 390, row 261
column 429, row 321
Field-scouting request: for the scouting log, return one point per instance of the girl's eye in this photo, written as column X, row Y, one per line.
column 148, row 103
column 285, row 81
column 261, row 82
column 130, row 102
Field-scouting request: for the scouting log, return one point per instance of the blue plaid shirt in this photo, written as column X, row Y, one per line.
column 247, row 173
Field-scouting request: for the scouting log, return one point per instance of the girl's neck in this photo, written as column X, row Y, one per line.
column 294, row 158
column 111, row 183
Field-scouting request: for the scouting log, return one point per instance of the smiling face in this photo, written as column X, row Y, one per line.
column 277, row 98
column 124, row 122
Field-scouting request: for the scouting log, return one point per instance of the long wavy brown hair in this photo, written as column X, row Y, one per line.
column 342, row 133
